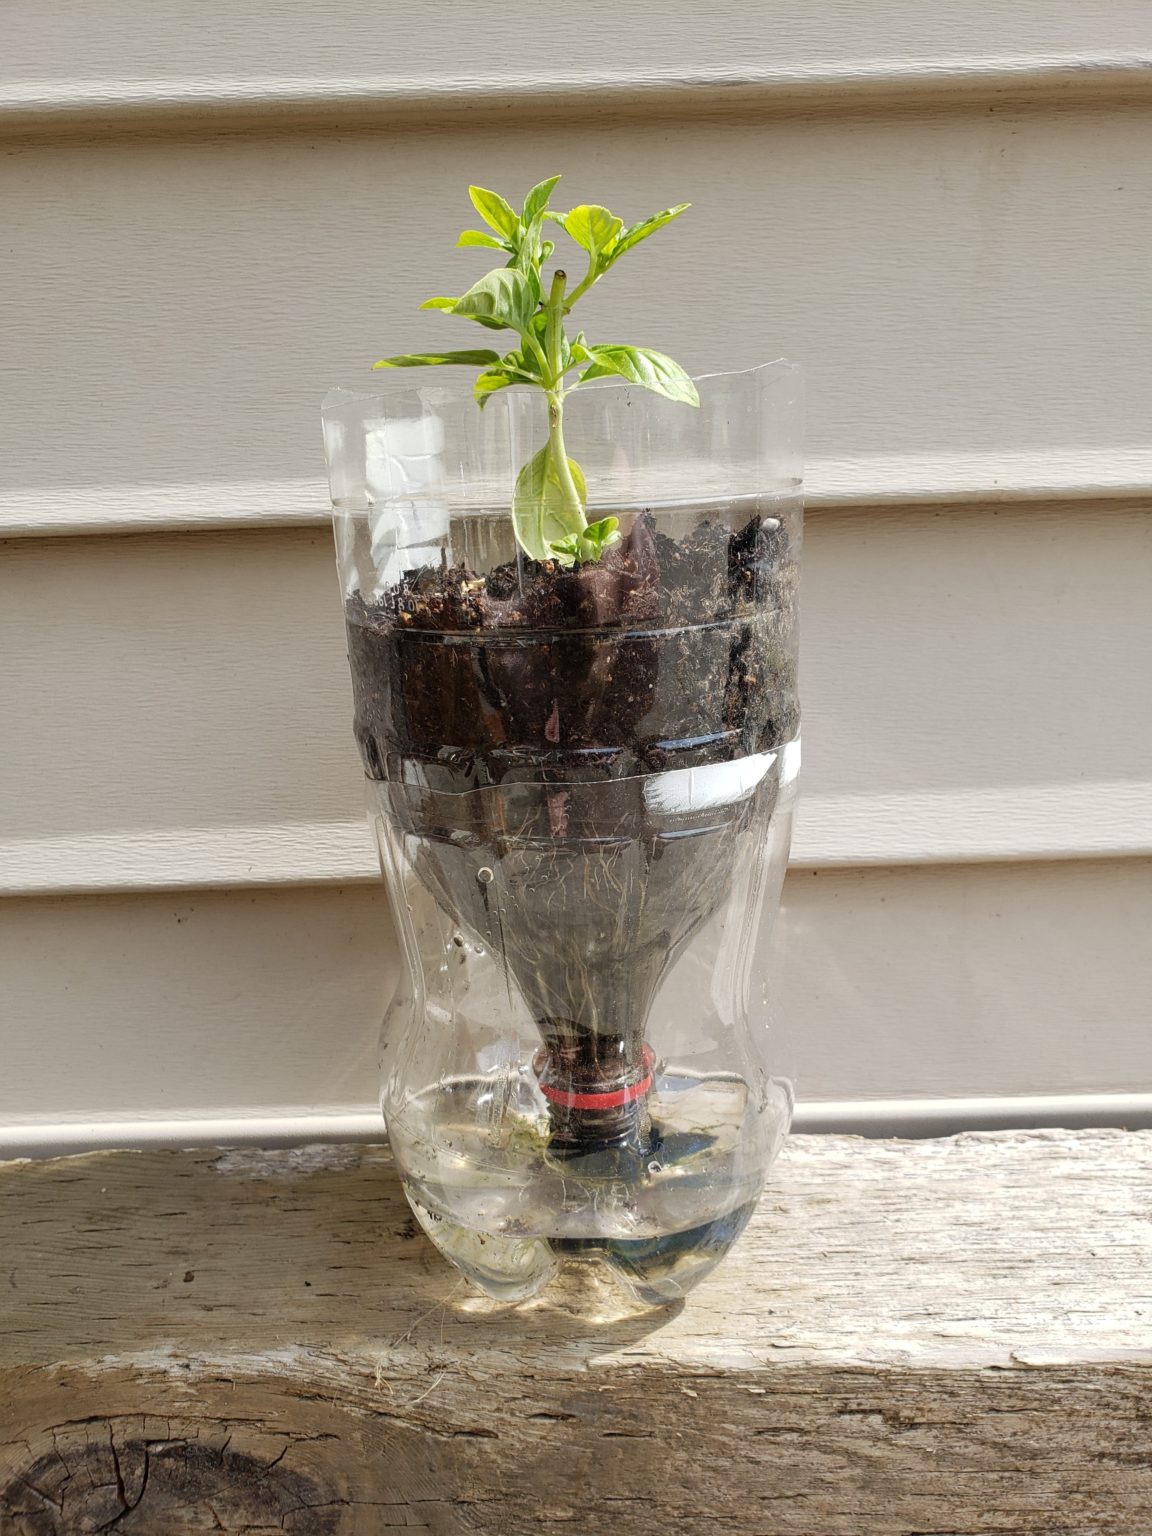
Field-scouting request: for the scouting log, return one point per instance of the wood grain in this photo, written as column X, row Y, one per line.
column 946, row 1337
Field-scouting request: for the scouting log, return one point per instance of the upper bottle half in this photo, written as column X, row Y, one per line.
column 474, row 664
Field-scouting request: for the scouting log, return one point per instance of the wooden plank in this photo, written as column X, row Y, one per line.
column 946, row 1336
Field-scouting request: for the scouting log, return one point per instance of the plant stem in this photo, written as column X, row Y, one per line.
column 582, row 288
column 555, row 349
column 563, row 468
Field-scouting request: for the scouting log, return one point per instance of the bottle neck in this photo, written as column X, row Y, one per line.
column 596, row 1103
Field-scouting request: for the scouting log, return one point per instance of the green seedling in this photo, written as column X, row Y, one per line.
column 550, row 499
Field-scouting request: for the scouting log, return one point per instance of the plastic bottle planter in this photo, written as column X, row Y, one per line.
column 582, row 789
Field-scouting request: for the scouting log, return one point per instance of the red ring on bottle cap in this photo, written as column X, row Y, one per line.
column 613, row 1099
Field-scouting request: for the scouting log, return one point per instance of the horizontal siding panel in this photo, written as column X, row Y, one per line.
column 955, row 284
column 228, row 103
column 191, row 858
column 220, row 1001
column 858, row 1117
column 1087, row 821
column 1047, row 821
column 865, row 482
column 985, row 980
column 977, row 652
column 974, row 682
column 168, row 683
column 505, row 40
column 977, row 981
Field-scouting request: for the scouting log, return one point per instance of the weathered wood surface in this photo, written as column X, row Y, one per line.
column 943, row 1337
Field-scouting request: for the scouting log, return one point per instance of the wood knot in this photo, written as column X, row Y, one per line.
column 94, row 1480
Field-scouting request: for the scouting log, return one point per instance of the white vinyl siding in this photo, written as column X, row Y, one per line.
column 944, row 213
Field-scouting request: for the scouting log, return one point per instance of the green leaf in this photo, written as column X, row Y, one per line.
column 594, row 228
column 525, row 364
column 640, row 365
column 597, row 537
column 432, row 359
column 478, row 237
column 449, row 307
column 501, row 298
column 488, row 383
column 589, row 545
column 604, row 532
column 633, row 235
column 495, row 212
column 541, row 514
column 525, row 260
column 537, row 200
column 566, row 550
column 576, row 352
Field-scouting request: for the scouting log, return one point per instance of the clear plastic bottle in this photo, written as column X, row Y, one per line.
column 582, row 784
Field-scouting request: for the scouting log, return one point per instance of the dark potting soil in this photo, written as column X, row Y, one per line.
column 665, row 653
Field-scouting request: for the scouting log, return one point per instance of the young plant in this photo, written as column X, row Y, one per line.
column 550, row 498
